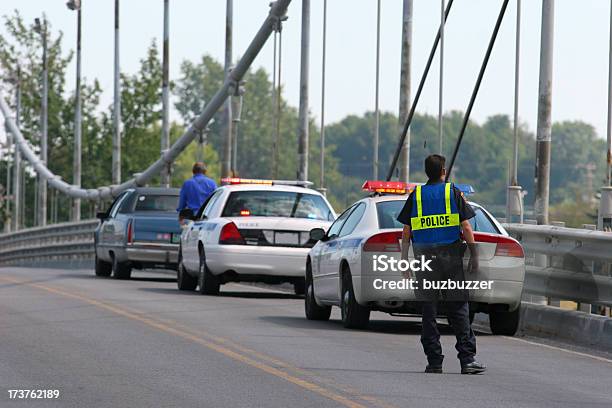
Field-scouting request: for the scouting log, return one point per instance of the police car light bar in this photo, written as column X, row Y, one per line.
column 465, row 189
column 399, row 187
column 237, row 180
column 388, row 187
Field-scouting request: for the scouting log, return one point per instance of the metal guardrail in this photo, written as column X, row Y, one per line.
column 566, row 263
column 562, row 263
column 59, row 242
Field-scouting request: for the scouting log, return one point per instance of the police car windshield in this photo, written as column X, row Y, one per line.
column 265, row 203
column 389, row 210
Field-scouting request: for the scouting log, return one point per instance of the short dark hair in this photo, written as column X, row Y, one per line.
column 434, row 164
column 198, row 168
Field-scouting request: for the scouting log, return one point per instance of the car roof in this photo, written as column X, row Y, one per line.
column 157, row 191
column 265, row 187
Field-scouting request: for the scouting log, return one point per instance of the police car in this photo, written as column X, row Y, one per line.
column 251, row 230
column 343, row 268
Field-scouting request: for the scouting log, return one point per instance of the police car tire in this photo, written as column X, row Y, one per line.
column 184, row 280
column 121, row 270
column 208, row 283
column 505, row 323
column 354, row 316
column 311, row 308
column 102, row 268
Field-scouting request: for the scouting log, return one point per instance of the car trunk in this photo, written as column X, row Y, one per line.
column 282, row 232
column 158, row 227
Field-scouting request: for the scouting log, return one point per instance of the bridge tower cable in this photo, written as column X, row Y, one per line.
column 441, row 85
column 76, row 5
column 377, row 98
column 483, row 69
column 323, row 89
column 17, row 167
column 405, row 88
column 417, row 97
column 304, row 119
column 226, row 162
column 41, row 29
column 116, row 154
column 165, row 132
column 544, row 129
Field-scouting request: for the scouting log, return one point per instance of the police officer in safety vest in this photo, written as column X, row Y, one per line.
column 434, row 216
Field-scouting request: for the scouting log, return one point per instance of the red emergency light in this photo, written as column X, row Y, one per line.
column 236, row 180
column 388, row 187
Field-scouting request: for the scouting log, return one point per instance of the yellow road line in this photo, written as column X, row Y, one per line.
column 215, row 347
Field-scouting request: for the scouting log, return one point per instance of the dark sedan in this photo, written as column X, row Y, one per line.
column 139, row 230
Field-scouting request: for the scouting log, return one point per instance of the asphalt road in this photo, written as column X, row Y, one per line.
column 142, row 343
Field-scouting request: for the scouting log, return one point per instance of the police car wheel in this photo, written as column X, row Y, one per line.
column 312, row 309
column 505, row 323
column 354, row 316
column 209, row 284
column 184, row 280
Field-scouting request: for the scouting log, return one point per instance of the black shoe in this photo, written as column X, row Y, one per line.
column 435, row 369
column 473, row 368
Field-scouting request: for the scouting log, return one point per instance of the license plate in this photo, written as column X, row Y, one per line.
column 176, row 238
column 287, row 238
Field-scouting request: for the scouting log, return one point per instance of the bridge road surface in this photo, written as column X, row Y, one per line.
column 142, row 343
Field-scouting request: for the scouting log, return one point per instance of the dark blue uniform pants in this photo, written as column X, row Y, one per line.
column 458, row 314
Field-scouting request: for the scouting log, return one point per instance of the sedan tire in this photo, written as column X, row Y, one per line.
column 101, row 268
column 121, row 270
column 354, row 316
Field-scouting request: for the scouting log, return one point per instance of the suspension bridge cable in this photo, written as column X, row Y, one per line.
column 277, row 12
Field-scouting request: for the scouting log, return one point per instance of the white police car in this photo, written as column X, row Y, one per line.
column 251, row 230
column 340, row 267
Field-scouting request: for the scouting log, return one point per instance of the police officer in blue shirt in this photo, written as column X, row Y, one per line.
column 196, row 190
column 434, row 216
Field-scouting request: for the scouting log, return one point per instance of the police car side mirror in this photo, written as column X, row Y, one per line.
column 317, row 234
column 102, row 215
column 187, row 214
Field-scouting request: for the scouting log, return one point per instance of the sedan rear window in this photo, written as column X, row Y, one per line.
column 156, row 202
column 389, row 210
column 277, row 204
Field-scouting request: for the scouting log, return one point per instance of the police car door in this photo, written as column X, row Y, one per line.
column 326, row 280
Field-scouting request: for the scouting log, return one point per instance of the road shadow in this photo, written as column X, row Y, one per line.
column 259, row 295
column 170, row 291
column 398, row 327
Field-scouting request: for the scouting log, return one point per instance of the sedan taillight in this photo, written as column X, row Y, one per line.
column 384, row 242
column 230, row 235
column 505, row 246
column 130, row 232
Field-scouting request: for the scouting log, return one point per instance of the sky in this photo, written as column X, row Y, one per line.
column 581, row 42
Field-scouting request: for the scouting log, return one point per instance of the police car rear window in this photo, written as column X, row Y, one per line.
column 482, row 223
column 389, row 210
column 277, row 204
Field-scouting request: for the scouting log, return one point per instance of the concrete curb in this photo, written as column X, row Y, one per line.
column 579, row 328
